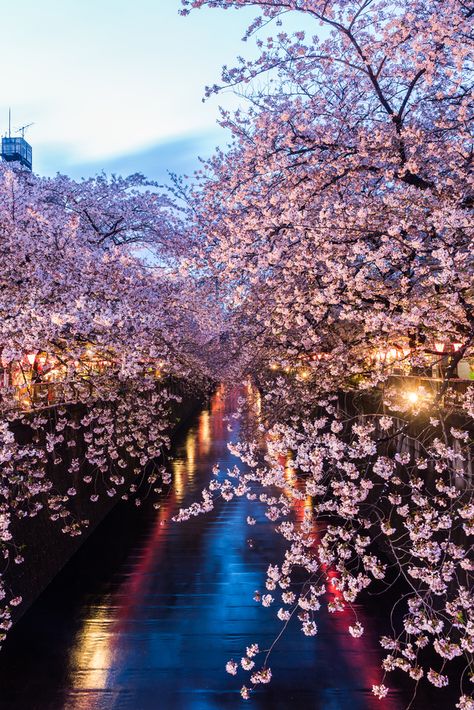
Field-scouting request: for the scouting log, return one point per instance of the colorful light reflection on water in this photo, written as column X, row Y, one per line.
column 154, row 628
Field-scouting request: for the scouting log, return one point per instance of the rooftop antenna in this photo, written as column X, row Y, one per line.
column 22, row 129
column 9, row 123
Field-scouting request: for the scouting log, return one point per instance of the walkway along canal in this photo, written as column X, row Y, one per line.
column 147, row 613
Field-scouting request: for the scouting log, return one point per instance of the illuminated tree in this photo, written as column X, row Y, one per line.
column 96, row 343
column 339, row 228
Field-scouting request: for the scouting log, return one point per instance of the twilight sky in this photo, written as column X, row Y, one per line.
column 115, row 84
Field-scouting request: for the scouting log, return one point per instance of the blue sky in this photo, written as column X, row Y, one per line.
column 115, row 84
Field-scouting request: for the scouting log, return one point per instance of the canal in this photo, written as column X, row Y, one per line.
column 147, row 613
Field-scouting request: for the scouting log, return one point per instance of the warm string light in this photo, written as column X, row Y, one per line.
column 392, row 354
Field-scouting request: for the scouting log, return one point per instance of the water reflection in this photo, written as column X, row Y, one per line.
column 154, row 629
column 204, row 433
column 92, row 651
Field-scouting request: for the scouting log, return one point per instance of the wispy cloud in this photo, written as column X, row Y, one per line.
column 180, row 155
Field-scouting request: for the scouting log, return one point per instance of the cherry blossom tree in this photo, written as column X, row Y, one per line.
column 325, row 255
column 98, row 343
column 338, row 227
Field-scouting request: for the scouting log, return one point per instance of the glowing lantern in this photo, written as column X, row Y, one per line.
column 439, row 347
column 31, row 357
column 41, row 360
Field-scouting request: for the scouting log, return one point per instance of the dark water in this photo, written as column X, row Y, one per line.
column 148, row 612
